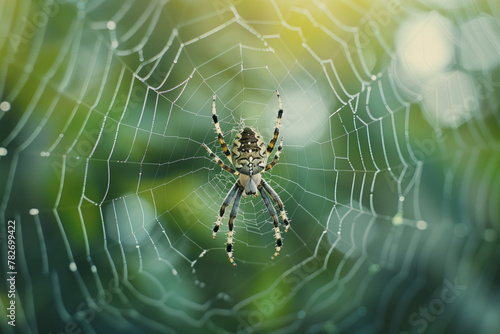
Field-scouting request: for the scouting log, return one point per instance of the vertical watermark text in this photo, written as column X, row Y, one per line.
column 11, row 272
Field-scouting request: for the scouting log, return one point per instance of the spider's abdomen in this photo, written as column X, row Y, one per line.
column 249, row 152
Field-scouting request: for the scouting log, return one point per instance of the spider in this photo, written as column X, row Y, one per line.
column 249, row 157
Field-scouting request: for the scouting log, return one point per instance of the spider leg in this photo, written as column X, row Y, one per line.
column 271, row 144
column 219, row 132
column 232, row 215
column 229, row 197
column 272, row 213
column 276, row 156
column 219, row 161
column 278, row 201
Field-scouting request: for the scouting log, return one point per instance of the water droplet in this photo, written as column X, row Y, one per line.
column 111, row 25
column 421, row 225
column 397, row 219
column 5, row 106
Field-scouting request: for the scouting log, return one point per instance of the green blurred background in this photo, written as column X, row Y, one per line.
column 389, row 170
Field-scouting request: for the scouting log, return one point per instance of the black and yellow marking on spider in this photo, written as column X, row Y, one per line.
column 224, row 146
column 219, row 161
column 220, row 136
column 270, row 147
column 276, row 157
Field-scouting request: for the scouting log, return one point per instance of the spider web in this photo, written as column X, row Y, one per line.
column 389, row 171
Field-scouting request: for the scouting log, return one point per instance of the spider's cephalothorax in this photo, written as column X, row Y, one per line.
column 249, row 157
